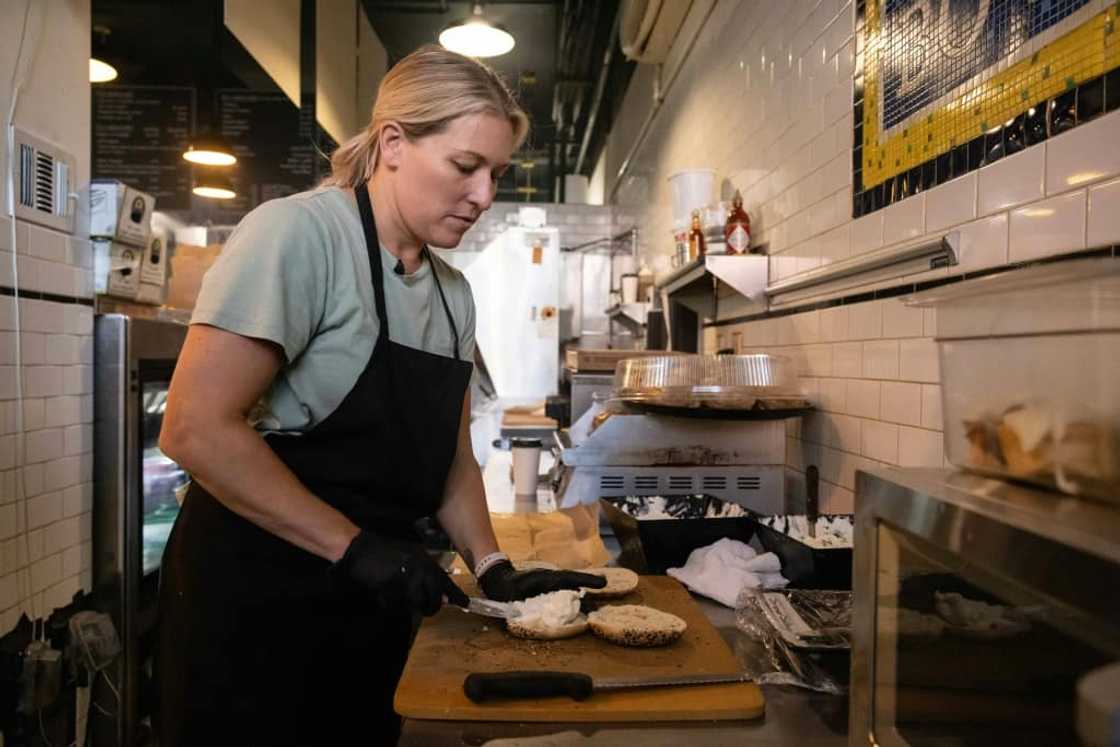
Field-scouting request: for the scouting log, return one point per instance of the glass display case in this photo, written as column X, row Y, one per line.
column 979, row 606
column 135, row 503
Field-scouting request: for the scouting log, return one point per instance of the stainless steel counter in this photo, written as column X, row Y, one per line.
column 793, row 717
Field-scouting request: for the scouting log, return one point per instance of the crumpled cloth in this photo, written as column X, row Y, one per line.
column 723, row 569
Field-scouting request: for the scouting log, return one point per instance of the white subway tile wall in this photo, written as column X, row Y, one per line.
column 873, row 382
column 42, row 567
column 1104, row 218
column 779, row 74
column 1049, row 227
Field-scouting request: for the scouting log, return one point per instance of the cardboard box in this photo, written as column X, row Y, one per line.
column 120, row 213
column 188, row 266
column 153, row 269
column 116, row 268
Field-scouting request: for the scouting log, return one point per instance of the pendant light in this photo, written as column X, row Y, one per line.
column 100, row 71
column 208, row 149
column 477, row 37
column 213, row 184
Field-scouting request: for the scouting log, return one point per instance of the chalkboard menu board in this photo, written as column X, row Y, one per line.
column 139, row 135
column 275, row 155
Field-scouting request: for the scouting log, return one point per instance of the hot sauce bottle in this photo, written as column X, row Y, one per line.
column 737, row 230
column 696, row 247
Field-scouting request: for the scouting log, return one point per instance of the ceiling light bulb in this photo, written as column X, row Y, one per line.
column 476, row 37
column 101, row 72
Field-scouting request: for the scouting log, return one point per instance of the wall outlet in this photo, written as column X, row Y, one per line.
column 42, row 677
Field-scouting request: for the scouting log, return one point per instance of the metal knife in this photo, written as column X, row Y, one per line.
column 483, row 686
column 490, row 608
column 812, row 498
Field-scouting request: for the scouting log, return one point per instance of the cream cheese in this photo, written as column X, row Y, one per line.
column 553, row 610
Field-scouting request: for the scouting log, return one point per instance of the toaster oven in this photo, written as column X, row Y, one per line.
column 978, row 606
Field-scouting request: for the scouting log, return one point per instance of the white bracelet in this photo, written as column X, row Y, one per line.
column 489, row 562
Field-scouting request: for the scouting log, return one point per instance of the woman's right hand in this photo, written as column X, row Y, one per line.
column 395, row 568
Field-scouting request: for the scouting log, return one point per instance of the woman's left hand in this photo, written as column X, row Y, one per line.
column 503, row 583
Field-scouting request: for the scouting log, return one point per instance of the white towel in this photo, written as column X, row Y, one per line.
column 723, row 569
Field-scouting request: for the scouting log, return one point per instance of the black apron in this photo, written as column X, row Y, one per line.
column 258, row 643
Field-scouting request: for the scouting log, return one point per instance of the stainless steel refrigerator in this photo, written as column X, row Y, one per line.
column 135, row 506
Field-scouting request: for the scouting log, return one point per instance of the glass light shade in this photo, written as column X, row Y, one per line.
column 214, row 193
column 214, row 186
column 205, row 156
column 101, row 72
column 476, row 38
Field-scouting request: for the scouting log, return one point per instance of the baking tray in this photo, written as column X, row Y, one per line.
column 808, row 567
column 651, row 546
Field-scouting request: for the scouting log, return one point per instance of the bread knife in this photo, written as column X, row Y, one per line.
column 483, row 686
column 490, row 608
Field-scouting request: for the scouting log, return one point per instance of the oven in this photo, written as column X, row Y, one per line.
column 979, row 605
column 134, row 509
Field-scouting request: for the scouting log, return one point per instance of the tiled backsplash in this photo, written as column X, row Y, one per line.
column 46, row 568
column 46, row 559
column 765, row 99
column 872, row 370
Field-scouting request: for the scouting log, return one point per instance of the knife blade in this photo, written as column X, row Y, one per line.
column 812, row 498
column 490, row 608
column 483, row 686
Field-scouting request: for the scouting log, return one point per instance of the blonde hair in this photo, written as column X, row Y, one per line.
column 423, row 94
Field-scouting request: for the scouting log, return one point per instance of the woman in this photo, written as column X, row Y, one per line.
column 321, row 405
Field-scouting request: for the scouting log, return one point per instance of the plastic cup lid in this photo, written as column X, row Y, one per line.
column 525, row 443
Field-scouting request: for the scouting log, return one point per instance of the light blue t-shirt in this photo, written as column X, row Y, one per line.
column 295, row 271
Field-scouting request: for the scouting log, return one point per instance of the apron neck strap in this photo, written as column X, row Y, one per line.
column 446, row 308
column 373, row 249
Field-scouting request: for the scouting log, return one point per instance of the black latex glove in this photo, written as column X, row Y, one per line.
column 504, row 584
column 398, row 570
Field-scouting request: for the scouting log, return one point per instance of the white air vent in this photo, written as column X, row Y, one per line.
column 43, row 183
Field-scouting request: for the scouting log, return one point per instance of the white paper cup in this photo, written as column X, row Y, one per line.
column 526, row 464
column 630, row 288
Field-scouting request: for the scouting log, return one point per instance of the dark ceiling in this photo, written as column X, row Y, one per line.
column 559, row 67
column 554, row 68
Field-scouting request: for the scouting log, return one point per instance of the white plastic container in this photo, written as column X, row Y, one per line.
column 692, row 190
column 1030, row 374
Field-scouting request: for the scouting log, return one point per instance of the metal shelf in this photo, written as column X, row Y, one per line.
column 696, row 283
column 632, row 316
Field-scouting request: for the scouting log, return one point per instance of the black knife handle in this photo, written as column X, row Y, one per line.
column 812, row 493
column 483, row 686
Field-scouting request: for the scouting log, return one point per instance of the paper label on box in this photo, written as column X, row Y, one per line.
column 153, row 271
column 135, row 223
column 116, row 269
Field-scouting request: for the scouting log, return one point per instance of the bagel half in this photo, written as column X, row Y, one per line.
column 620, row 582
column 636, row 625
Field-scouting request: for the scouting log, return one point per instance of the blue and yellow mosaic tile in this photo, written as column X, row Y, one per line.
column 943, row 87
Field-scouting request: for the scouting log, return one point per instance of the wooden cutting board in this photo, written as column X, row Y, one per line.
column 452, row 644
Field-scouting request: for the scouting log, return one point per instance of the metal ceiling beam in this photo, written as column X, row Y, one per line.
column 600, row 87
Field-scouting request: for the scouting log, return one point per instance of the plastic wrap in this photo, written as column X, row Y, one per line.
column 719, row 382
column 780, row 648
